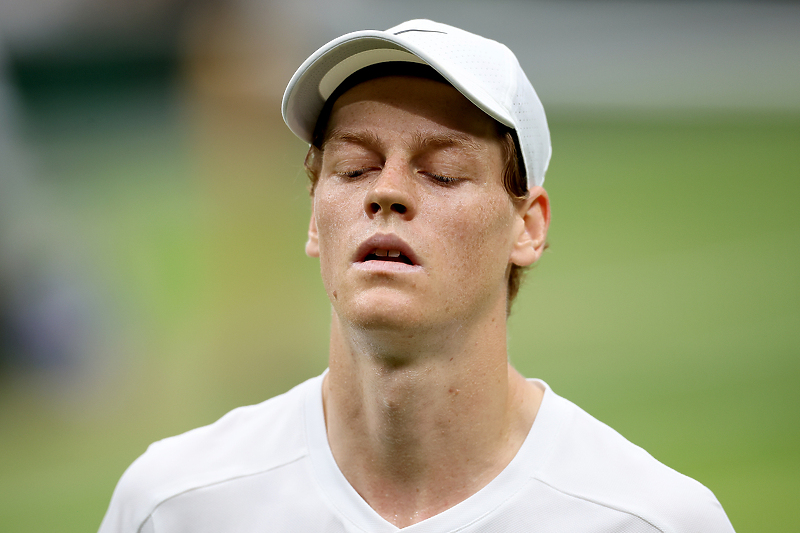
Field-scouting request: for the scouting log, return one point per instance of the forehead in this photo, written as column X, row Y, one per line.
column 404, row 102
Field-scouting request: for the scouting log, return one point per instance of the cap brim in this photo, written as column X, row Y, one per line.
column 320, row 74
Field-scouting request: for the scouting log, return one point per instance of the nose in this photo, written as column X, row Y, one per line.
column 393, row 192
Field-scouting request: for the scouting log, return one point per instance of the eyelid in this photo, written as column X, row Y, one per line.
column 354, row 173
column 351, row 162
column 442, row 178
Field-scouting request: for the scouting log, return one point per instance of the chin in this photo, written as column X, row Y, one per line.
column 388, row 319
column 384, row 312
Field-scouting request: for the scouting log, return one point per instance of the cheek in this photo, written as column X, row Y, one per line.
column 479, row 236
column 335, row 214
column 328, row 210
column 326, row 226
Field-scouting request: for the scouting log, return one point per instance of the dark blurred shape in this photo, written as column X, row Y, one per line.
column 57, row 61
column 88, row 76
column 95, row 48
column 40, row 76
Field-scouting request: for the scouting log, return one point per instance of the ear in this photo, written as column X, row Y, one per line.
column 534, row 213
column 312, row 245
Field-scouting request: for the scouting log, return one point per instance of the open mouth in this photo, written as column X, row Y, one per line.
column 394, row 256
column 383, row 248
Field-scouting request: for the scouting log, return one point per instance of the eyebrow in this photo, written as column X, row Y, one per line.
column 365, row 138
column 419, row 141
column 446, row 140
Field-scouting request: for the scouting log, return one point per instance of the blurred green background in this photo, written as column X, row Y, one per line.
column 153, row 212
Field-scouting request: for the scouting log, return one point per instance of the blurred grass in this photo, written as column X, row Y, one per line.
column 666, row 305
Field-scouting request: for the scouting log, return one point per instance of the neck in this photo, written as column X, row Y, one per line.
column 418, row 423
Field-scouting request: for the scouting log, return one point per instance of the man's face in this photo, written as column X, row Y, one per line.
column 411, row 221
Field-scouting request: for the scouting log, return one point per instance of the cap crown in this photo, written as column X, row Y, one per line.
column 483, row 70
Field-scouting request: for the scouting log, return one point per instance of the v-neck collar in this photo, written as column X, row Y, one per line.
column 530, row 458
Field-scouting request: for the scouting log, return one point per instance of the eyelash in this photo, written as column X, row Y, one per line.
column 353, row 173
column 444, row 180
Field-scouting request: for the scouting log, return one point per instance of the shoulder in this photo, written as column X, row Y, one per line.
column 245, row 441
column 591, row 461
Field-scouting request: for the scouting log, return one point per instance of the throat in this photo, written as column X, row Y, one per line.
column 418, row 437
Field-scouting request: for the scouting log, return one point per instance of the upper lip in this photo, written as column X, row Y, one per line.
column 384, row 241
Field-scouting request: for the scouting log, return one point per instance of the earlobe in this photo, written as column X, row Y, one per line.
column 312, row 244
column 534, row 213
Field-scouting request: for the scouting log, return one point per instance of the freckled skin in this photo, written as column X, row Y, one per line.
column 460, row 232
column 422, row 409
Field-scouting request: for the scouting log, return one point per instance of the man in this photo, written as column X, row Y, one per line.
column 428, row 153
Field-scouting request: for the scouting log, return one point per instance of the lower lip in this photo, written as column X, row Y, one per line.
column 387, row 266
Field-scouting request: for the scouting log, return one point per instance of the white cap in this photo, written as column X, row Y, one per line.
column 483, row 70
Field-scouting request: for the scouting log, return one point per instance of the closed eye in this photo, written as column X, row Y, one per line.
column 444, row 180
column 353, row 173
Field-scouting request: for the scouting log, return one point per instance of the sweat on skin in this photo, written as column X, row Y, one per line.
column 418, row 361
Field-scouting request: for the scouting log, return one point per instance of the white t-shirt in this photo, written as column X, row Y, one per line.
column 268, row 468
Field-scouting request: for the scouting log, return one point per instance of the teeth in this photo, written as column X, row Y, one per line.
column 385, row 253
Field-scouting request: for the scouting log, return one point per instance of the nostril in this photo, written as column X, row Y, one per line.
column 373, row 208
